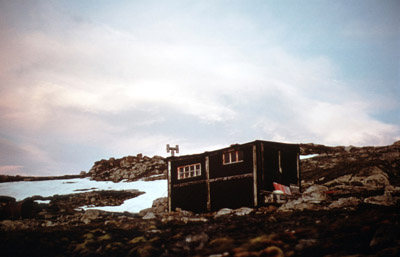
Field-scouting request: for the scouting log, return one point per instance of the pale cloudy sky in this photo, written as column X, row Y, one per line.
column 82, row 81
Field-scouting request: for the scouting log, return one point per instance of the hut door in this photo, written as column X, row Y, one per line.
column 272, row 168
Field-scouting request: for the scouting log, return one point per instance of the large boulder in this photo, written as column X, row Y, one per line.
column 315, row 194
column 369, row 178
column 313, row 198
column 11, row 209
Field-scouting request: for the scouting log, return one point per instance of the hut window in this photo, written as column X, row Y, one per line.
column 189, row 171
column 232, row 157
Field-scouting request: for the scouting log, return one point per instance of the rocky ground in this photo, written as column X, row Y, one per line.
column 368, row 230
column 350, row 206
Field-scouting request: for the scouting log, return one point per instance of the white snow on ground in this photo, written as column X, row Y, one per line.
column 302, row 157
column 153, row 190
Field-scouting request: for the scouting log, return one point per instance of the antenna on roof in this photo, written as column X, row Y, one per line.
column 173, row 149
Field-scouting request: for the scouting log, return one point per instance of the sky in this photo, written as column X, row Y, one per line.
column 87, row 80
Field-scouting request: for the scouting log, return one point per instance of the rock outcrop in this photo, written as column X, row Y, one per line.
column 11, row 209
column 347, row 177
column 333, row 162
column 59, row 205
column 129, row 168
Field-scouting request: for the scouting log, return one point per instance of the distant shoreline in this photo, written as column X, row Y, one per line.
column 8, row 178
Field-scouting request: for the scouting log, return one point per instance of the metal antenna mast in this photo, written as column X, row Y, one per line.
column 173, row 150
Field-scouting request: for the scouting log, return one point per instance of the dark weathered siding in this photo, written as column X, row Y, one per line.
column 235, row 184
column 289, row 167
column 218, row 169
column 231, row 185
column 191, row 197
column 280, row 165
column 189, row 193
column 183, row 162
column 232, row 194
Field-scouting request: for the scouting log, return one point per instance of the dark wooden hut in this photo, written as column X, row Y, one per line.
column 232, row 177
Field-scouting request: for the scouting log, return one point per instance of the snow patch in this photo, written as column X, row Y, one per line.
column 153, row 190
column 42, row 201
column 308, row 156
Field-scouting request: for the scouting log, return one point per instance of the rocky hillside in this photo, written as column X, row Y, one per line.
column 348, row 177
column 333, row 162
column 330, row 163
column 129, row 168
column 349, row 206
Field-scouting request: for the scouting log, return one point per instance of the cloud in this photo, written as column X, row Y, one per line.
column 81, row 90
column 332, row 124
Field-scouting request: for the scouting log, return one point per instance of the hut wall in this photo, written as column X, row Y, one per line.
column 232, row 194
column 280, row 165
column 191, row 197
column 233, row 184
column 189, row 193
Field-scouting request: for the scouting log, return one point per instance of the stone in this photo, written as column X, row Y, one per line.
column 297, row 204
column 315, row 194
column 163, row 201
column 305, row 243
column 48, row 223
column 349, row 202
column 105, row 237
column 149, row 215
column 143, row 212
column 372, row 177
column 311, row 199
column 243, row 211
column 221, row 245
column 194, row 219
column 197, row 241
column 90, row 215
column 223, row 212
column 385, row 199
column 271, row 251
